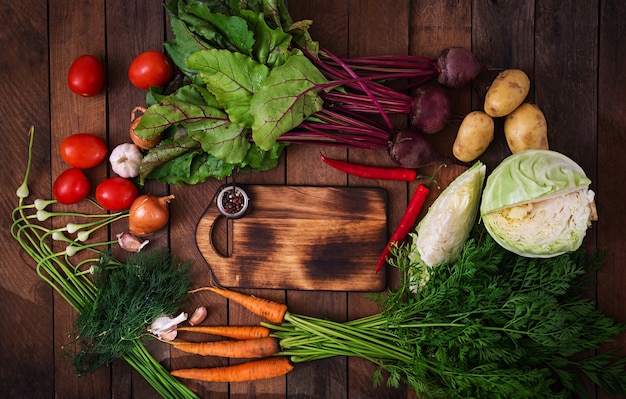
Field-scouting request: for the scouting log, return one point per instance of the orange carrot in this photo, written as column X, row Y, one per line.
column 249, row 371
column 243, row 349
column 270, row 310
column 235, row 332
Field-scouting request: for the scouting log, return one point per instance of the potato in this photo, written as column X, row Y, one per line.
column 473, row 137
column 526, row 129
column 507, row 92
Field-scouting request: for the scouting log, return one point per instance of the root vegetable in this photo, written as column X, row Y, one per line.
column 507, row 92
column 234, row 332
column 526, row 129
column 232, row 349
column 148, row 213
column 474, row 135
column 269, row 310
column 457, row 67
column 410, row 149
column 249, row 371
column 433, row 108
column 144, row 144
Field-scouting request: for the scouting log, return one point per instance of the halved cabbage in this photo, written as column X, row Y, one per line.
column 440, row 236
column 537, row 203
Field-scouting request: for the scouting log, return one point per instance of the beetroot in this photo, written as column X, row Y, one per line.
column 432, row 109
column 457, row 67
column 410, row 149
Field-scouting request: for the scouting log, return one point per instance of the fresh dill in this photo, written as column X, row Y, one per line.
column 130, row 295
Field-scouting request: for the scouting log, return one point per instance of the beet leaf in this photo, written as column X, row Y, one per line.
column 286, row 98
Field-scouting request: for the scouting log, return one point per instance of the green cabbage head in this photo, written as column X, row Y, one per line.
column 537, row 203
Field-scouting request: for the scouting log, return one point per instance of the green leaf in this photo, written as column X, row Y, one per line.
column 187, row 105
column 232, row 78
column 226, row 141
column 191, row 168
column 285, row 99
column 258, row 159
column 167, row 150
column 271, row 47
column 234, row 29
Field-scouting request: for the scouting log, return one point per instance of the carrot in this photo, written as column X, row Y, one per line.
column 270, row 310
column 234, row 349
column 249, row 371
column 235, row 332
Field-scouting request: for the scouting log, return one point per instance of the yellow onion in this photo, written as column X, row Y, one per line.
column 144, row 144
column 148, row 213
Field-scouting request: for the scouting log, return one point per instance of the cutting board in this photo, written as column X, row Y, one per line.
column 300, row 238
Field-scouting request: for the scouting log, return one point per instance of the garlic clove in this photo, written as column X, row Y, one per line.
column 130, row 242
column 169, row 336
column 198, row 316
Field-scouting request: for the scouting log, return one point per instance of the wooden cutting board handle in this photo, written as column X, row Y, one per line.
column 299, row 237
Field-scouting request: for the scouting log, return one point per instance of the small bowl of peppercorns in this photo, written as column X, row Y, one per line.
column 232, row 201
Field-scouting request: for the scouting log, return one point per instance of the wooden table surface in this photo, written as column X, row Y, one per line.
column 574, row 56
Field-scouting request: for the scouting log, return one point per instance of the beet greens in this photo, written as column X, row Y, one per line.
column 252, row 81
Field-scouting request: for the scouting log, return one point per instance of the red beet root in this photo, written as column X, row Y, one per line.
column 432, row 109
column 410, row 149
column 457, row 67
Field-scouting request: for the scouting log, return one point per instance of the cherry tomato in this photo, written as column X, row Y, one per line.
column 150, row 68
column 71, row 186
column 83, row 150
column 86, row 76
column 116, row 193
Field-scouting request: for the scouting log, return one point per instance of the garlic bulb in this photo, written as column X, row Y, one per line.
column 125, row 160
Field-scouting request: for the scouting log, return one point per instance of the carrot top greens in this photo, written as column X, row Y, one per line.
column 489, row 325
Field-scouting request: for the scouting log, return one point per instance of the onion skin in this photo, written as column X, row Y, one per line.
column 140, row 142
column 144, row 144
column 148, row 213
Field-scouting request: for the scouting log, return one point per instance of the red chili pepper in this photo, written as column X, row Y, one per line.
column 406, row 223
column 371, row 172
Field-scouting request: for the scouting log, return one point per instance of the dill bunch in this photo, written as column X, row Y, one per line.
column 130, row 295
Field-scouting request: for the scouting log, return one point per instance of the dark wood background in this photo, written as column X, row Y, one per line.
column 574, row 54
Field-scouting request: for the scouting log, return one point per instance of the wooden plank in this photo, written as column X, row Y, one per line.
column 324, row 378
column 26, row 307
column 435, row 26
column 376, row 30
column 564, row 34
column 143, row 27
column 75, row 31
column 502, row 37
column 611, row 137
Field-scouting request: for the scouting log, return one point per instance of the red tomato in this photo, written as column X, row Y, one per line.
column 83, row 150
column 86, row 76
column 71, row 186
column 116, row 193
column 150, row 68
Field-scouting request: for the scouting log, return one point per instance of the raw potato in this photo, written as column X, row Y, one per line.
column 526, row 129
column 507, row 92
column 473, row 137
